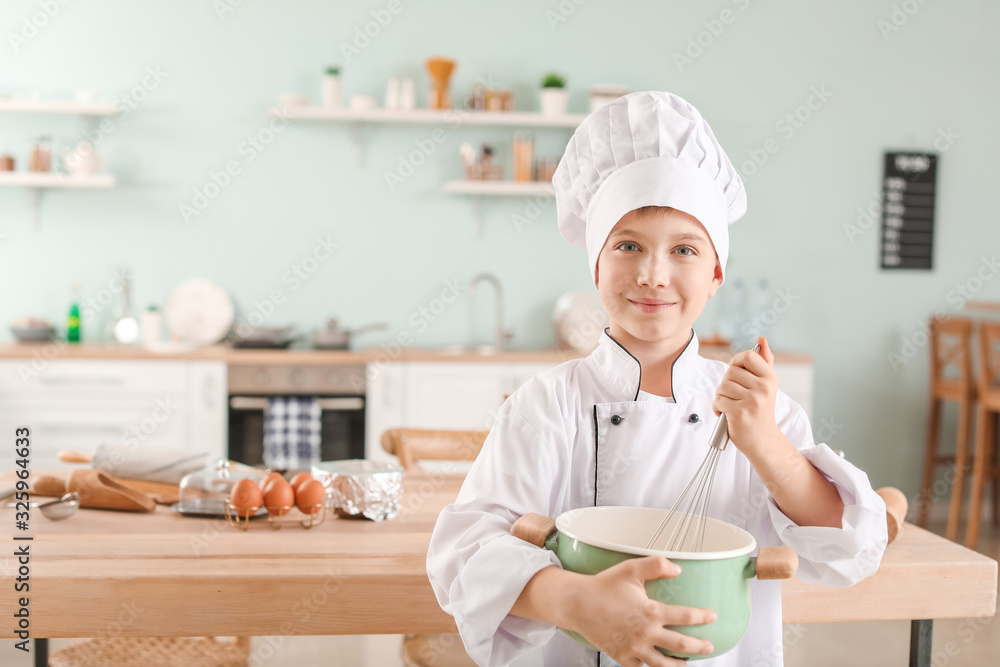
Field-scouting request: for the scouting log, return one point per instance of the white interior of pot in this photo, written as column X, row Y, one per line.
column 628, row 529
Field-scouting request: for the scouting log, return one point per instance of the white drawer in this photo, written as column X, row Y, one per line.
column 75, row 377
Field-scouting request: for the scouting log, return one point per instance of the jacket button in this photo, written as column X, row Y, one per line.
column 694, row 419
column 616, row 419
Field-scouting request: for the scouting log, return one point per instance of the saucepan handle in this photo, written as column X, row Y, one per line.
column 775, row 563
column 534, row 528
column 895, row 510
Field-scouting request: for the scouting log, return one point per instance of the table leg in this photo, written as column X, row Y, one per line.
column 41, row 652
column 921, row 634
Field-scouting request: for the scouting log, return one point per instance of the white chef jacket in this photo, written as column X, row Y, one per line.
column 576, row 436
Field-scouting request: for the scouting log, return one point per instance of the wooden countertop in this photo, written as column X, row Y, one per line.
column 62, row 350
column 167, row 575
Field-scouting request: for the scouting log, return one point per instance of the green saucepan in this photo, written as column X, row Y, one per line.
column 591, row 539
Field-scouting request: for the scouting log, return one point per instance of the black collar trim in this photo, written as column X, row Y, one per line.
column 672, row 364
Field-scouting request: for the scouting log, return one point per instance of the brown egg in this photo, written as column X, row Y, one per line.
column 299, row 479
column 310, row 494
column 267, row 481
column 279, row 497
column 245, row 497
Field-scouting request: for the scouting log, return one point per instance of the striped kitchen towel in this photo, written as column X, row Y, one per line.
column 291, row 432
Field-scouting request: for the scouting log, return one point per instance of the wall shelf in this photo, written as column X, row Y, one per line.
column 498, row 188
column 429, row 117
column 54, row 180
column 450, row 118
column 478, row 189
column 39, row 182
column 67, row 107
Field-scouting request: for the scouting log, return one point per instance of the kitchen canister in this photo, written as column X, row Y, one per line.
column 152, row 327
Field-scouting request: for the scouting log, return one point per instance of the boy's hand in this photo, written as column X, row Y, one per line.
column 747, row 396
column 614, row 613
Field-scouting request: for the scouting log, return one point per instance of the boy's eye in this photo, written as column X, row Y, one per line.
column 685, row 250
column 628, row 246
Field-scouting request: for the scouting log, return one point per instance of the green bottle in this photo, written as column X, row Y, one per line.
column 73, row 321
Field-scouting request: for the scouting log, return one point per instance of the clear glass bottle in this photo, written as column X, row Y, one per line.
column 73, row 319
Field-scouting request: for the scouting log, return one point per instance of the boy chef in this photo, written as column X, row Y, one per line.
column 646, row 188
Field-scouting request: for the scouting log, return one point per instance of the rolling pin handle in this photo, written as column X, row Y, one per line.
column 69, row 456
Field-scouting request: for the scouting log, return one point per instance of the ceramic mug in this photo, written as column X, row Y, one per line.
column 589, row 540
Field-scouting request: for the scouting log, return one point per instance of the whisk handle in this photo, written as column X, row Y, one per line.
column 720, row 436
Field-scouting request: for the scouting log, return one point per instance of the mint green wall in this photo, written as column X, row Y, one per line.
column 894, row 89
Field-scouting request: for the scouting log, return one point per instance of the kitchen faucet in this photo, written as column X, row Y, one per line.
column 502, row 334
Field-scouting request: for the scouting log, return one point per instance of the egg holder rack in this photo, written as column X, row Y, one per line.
column 276, row 515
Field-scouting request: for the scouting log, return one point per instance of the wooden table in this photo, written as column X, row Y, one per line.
column 104, row 573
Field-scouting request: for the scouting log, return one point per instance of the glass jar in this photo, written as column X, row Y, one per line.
column 524, row 151
column 40, row 158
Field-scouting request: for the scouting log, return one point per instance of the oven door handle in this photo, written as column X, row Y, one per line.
column 258, row 403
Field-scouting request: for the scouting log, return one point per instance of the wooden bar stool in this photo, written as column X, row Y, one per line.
column 951, row 380
column 986, row 454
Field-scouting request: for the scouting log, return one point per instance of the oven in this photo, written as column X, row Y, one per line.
column 339, row 387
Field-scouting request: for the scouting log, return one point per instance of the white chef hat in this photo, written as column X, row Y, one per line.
column 645, row 149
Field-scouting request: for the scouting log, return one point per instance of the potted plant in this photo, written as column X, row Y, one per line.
column 553, row 95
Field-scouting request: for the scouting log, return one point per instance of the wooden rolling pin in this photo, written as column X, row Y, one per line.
column 163, row 494
column 895, row 510
column 152, row 465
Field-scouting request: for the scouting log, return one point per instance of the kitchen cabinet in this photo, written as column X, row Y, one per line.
column 796, row 380
column 446, row 394
column 78, row 404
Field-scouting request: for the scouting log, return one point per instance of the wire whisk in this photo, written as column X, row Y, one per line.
column 693, row 507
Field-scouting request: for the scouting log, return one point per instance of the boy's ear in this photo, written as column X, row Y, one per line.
column 597, row 275
column 716, row 280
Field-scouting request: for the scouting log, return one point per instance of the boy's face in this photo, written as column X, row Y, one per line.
column 655, row 274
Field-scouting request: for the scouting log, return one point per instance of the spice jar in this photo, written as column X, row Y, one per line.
column 488, row 169
column 40, row 158
column 6, row 162
column 477, row 100
column 546, row 169
column 499, row 100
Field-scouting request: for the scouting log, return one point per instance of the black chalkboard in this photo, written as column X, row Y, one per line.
column 909, row 186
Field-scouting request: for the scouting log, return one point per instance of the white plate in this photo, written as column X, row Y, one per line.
column 198, row 312
column 579, row 320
